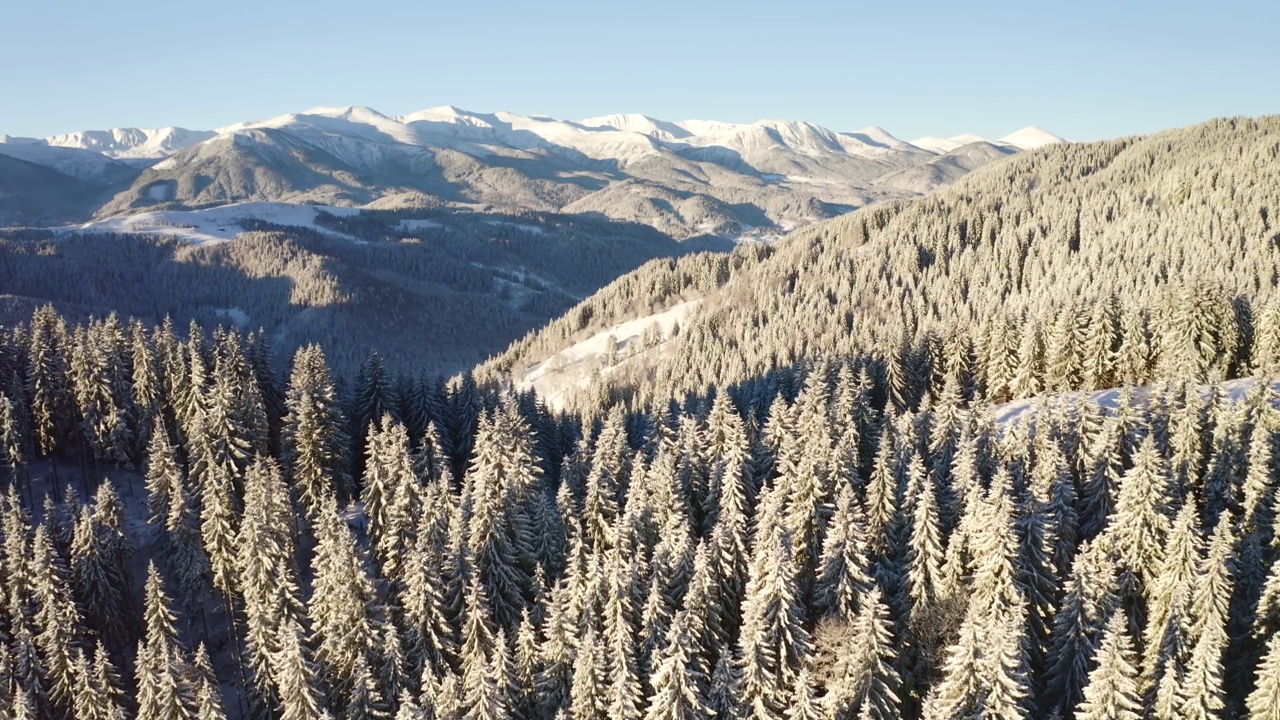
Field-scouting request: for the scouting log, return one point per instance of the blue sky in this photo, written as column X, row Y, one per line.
column 1084, row 70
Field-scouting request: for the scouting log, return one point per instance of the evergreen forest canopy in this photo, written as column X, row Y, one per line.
column 840, row 527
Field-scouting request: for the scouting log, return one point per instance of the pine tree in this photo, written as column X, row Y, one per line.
column 924, row 550
column 267, row 578
column 57, row 618
column 162, row 692
column 219, row 520
column 864, row 681
column 393, row 497
column 678, row 679
column 961, row 689
column 12, row 441
column 1169, row 613
column 806, row 705
column 313, row 437
column 1264, row 701
column 24, row 707
column 164, row 478
column 1077, row 628
column 1201, row 694
column 1140, row 524
column 106, row 682
column 1113, row 691
column 99, row 574
column 294, row 675
column 52, row 402
column 503, row 475
column 843, row 576
column 409, row 708
column 589, row 689
column 626, row 695
column 606, row 479
column 364, row 697
column 341, row 604
column 145, row 386
column 85, row 703
column 528, row 668
column 773, row 639
column 431, row 640
column 208, row 694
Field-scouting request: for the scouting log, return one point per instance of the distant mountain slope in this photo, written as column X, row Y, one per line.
column 946, row 168
column 690, row 178
column 83, row 165
column 32, row 194
column 1005, row 276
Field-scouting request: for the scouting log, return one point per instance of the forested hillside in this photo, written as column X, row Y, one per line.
column 1071, row 266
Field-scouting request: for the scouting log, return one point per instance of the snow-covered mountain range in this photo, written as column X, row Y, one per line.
column 686, row 178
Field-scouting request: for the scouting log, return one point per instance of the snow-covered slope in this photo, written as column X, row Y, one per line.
column 80, row 164
column 132, row 143
column 1030, row 138
column 569, row 370
column 200, row 227
column 936, row 144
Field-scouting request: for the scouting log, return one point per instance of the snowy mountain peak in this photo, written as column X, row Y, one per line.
column 1029, row 138
column 935, row 144
column 443, row 113
column 635, row 122
column 131, row 143
column 878, row 137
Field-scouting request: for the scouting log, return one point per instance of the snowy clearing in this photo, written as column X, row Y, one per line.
column 215, row 225
column 1023, row 410
column 570, row 369
column 237, row 316
column 534, row 229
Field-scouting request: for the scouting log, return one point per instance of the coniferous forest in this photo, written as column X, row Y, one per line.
column 1072, row 516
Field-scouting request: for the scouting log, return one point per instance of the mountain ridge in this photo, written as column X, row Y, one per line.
column 687, row 179
column 156, row 143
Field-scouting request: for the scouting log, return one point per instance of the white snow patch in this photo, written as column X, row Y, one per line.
column 534, row 229
column 1018, row 411
column 558, row 376
column 237, row 316
column 412, row 225
column 215, row 225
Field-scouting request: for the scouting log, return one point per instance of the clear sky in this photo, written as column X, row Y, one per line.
column 1082, row 69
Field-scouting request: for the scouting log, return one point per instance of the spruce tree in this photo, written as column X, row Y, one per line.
column 341, row 604
column 678, row 680
column 773, row 641
column 57, row 619
column 1113, row 691
column 1264, row 701
column 313, row 439
column 294, row 675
